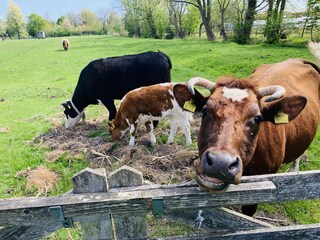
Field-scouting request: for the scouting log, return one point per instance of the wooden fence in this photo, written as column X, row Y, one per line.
column 114, row 206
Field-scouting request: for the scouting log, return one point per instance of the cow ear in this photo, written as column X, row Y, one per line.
column 284, row 110
column 65, row 105
column 186, row 100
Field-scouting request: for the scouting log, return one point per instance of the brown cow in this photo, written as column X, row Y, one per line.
column 65, row 44
column 253, row 126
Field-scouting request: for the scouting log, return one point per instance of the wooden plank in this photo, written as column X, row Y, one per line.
column 78, row 206
column 216, row 220
column 301, row 232
column 291, row 186
column 14, row 232
column 93, row 181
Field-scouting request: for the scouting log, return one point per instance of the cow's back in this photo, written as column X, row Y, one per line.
column 284, row 143
column 115, row 76
column 147, row 101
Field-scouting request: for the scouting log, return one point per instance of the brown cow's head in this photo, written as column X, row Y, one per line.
column 118, row 127
column 230, row 124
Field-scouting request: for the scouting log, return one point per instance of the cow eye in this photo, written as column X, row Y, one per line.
column 258, row 119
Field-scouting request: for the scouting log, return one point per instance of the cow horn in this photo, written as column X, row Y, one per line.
column 275, row 92
column 200, row 82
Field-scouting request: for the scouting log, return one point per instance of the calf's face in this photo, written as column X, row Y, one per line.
column 118, row 127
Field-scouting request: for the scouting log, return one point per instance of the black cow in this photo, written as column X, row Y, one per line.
column 111, row 78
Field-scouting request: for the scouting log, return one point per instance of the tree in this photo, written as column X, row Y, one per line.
column 60, row 20
column 145, row 18
column 313, row 16
column 35, row 24
column 183, row 17
column 88, row 19
column 191, row 20
column 132, row 17
column 244, row 25
column 148, row 11
column 15, row 21
column 177, row 10
column 275, row 13
column 63, row 27
column 205, row 8
column 103, row 16
column 114, row 24
column 2, row 27
column 74, row 19
column 223, row 6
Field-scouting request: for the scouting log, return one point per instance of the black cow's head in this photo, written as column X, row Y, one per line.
column 73, row 115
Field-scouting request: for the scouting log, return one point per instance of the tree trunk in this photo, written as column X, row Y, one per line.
column 269, row 18
column 204, row 7
column 248, row 21
column 210, row 35
column 306, row 22
column 222, row 29
column 205, row 12
column 200, row 29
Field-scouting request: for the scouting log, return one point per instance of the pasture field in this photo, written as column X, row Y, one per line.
column 36, row 76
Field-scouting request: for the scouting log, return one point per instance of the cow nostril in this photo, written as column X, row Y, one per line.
column 209, row 161
column 235, row 164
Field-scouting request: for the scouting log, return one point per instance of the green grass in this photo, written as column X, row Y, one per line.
column 37, row 75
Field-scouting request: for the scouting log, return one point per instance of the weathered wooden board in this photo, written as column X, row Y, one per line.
column 302, row 232
column 216, row 220
column 291, row 186
column 14, row 232
column 78, row 206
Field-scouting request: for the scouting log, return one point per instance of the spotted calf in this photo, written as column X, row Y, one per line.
column 153, row 103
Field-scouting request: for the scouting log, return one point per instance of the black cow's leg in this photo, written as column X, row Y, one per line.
column 155, row 124
column 249, row 210
column 109, row 104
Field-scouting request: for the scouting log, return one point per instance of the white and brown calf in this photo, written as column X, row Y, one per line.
column 153, row 103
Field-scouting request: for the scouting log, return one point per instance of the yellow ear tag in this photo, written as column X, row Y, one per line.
column 281, row 117
column 190, row 106
column 111, row 124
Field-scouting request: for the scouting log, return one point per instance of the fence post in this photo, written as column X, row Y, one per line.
column 112, row 225
column 93, row 181
column 128, row 225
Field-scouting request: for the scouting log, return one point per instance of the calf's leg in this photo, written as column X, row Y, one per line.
column 133, row 128
column 150, row 127
column 185, row 126
column 173, row 129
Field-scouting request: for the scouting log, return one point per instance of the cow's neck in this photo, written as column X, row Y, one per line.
column 79, row 103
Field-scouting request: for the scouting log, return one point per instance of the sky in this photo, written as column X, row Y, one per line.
column 53, row 9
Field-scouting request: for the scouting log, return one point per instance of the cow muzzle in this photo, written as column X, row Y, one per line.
column 218, row 170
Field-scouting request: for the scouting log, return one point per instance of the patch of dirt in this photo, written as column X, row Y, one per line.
column 277, row 219
column 4, row 129
column 42, row 179
column 162, row 163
